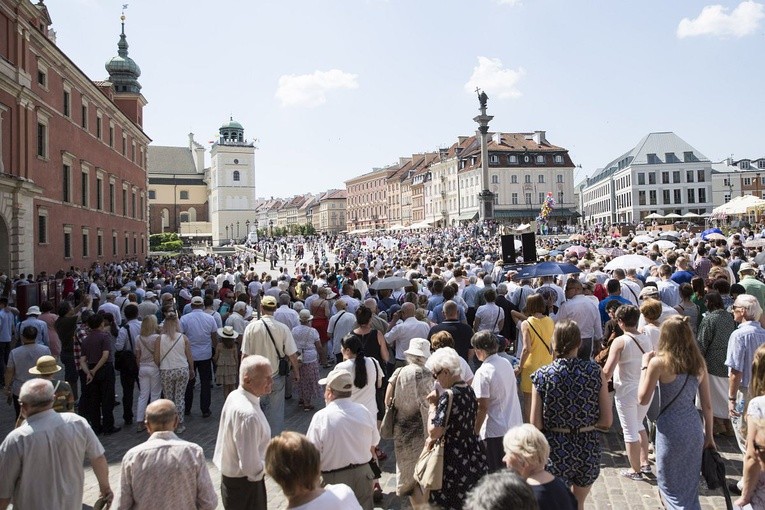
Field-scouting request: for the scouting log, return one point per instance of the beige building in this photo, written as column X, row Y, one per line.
column 368, row 199
column 329, row 217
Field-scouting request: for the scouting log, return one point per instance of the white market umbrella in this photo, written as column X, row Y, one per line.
column 672, row 216
column 753, row 243
column 629, row 262
column 691, row 215
column 664, row 245
column 643, row 239
column 654, row 216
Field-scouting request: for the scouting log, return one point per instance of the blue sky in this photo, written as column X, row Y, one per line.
column 334, row 88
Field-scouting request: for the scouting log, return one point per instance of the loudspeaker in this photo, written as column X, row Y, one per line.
column 508, row 249
column 529, row 248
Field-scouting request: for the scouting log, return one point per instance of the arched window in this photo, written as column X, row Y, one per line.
column 192, row 214
column 236, row 175
column 184, row 217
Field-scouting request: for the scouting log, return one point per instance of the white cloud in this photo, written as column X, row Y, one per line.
column 715, row 20
column 310, row 90
column 509, row 2
column 491, row 76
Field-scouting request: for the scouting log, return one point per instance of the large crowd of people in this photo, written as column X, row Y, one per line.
column 505, row 372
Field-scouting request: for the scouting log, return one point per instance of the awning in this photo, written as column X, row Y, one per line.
column 467, row 216
column 516, row 213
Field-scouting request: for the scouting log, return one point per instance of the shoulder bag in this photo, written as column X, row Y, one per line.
column 549, row 350
column 429, row 470
column 284, row 364
column 386, row 426
column 653, row 411
column 124, row 360
column 180, row 335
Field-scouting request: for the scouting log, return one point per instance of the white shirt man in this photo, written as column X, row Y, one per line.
column 402, row 333
column 340, row 324
column 243, row 436
column 499, row 408
column 287, row 315
column 236, row 320
column 584, row 312
column 110, row 307
column 345, row 434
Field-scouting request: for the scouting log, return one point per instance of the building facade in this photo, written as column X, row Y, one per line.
column 72, row 152
column 662, row 174
column 367, row 199
column 733, row 178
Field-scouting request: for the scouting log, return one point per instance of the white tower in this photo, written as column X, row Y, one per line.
column 232, row 185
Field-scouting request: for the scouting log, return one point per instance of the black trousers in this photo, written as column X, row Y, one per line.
column 99, row 399
column 71, row 372
column 5, row 351
column 494, row 453
column 242, row 494
column 204, row 369
column 127, row 380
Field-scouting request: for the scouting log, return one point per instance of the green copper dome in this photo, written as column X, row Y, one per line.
column 231, row 132
column 123, row 71
column 232, row 124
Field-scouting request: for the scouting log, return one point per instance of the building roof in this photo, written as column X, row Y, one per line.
column 335, row 194
column 656, row 144
column 170, row 160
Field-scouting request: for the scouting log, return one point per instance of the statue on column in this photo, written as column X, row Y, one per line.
column 482, row 98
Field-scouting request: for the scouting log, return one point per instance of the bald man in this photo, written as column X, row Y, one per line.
column 165, row 471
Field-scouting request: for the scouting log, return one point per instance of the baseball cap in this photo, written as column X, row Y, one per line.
column 268, row 302
column 338, row 380
column 197, row 300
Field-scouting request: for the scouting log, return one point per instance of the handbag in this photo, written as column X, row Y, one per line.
column 284, row 364
column 429, row 469
column 386, row 427
column 125, row 360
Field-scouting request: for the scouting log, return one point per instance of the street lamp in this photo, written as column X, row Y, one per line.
column 232, row 229
column 271, row 228
column 226, row 231
column 237, row 229
column 247, row 224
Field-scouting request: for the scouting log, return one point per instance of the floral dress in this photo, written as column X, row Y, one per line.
column 464, row 458
column 568, row 389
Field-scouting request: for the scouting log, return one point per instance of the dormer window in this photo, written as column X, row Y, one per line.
column 558, row 159
column 494, row 159
column 744, row 165
column 512, row 159
column 540, row 160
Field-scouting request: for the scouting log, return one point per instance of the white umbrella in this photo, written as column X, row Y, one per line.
column 392, row 282
column 672, row 233
column 542, row 251
column 643, row 239
column 754, row 243
column 691, row 215
column 654, row 216
column 629, row 261
column 719, row 237
column 664, row 245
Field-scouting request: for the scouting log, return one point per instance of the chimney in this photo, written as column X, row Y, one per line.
column 461, row 139
column 539, row 138
column 191, row 141
column 497, row 137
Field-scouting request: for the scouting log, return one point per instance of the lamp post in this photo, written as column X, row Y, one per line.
column 232, row 229
column 256, row 228
column 271, row 228
column 486, row 197
column 226, row 231
column 247, row 225
column 237, row 229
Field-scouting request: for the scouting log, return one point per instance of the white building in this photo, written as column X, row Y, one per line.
column 733, row 178
column 231, row 182
column 662, row 174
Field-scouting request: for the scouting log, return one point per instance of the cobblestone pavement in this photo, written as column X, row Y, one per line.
column 610, row 491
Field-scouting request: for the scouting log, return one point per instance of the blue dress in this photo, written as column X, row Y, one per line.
column 679, row 444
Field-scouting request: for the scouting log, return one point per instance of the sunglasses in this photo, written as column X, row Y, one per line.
column 760, row 449
column 436, row 374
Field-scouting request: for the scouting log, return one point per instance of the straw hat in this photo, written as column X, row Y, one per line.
column 45, row 365
column 227, row 332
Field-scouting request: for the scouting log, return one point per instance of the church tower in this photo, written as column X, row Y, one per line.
column 231, row 182
column 123, row 75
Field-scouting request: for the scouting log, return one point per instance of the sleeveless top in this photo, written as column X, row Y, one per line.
column 174, row 356
column 147, row 350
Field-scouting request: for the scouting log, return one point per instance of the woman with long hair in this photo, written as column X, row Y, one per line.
column 753, row 479
column 681, row 436
column 172, row 354
column 570, row 402
column 367, row 373
column 149, row 381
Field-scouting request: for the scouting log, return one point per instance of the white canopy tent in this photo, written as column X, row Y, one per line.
column 739, row 205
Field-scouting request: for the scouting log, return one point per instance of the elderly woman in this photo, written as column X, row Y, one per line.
column 445, row 339
column 293, row 462
column 570, row 402
column 623, row 364
column 714, row 331
column 453, row 422
column 527, row 453
column 308, row 344
column 408, row 388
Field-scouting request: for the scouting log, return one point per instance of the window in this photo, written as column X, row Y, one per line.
column 528, row 198
column 67, row 242
column 67, row 184
column 652, row 178
column 111, row 136
column 527, row 179
column 127, row 245
column 67, row 104
column 747, row 181
column 100, row 244
column 701, row 175
column 132, row 152
column 743, row 165
column 184, row 217
column 688, row 157
column 669, row 157
column 691, row 196
column 152, row 194
column 124, row 201
column 558, row 159
column 99, row 122
column 541, row 179
column 641, row 178
column 761, row 163
column 135, row 251
column 540, row 160
column 184, row 195
column 124, row 146
column 560, row 197
column 42, row 227
column 514, row 179
column 85, row 243
column 140, row 211
column 703, row 195
column 512, row 159
column 114, row 243
column 111, row 201
column 678, row 196
column 641, row 197
column 665, row 177
column 665, row 197
column 676, row 177
column 42, row 78
column 84, row 189
column 652, row 159
column 560, row 178
column 493, row 159
column 689, row 176
column 132, row 204
column 236, row 175
column 99, row 194
column 84, row 123
column 652, row 197
column 514, row 198
column 541, row 198
column 42, row 140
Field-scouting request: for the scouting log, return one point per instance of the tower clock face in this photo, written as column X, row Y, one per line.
column 525, row 159
column 236, row 161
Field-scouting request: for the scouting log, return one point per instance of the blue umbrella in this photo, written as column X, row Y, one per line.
column 710, row 231
column 555, row 253
column 546, row 269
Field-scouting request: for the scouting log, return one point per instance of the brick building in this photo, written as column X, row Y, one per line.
column 72, row 151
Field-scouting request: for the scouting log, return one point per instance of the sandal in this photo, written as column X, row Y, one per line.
column 646, row 468
column 628, row 473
